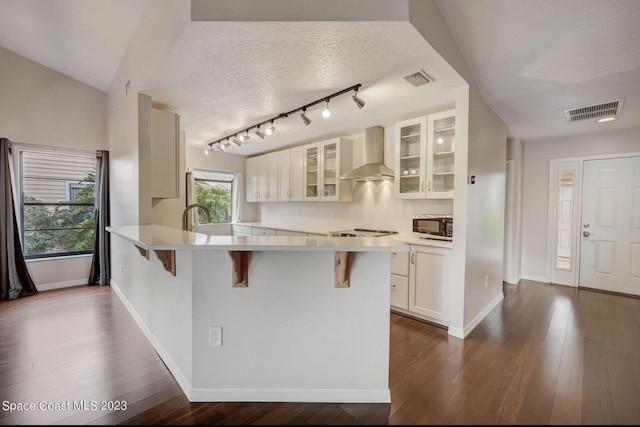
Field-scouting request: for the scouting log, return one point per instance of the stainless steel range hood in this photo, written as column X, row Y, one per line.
column 374, row 167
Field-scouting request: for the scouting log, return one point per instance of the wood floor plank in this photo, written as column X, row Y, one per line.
column 545, row 355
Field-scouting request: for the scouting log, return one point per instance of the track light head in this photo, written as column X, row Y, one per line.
column 259, row 133
column 326, row 113
column 221, row 147
column 359, row 102
column 246, row 136
column 306, row 120
column 270, row 129
column 237, row 141
column 207, row 151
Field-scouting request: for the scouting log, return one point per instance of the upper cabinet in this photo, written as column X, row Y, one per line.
column 262, row 178
column 165, row 154
column 324, row 162
column 425, row 153
column 291, row 175
column 411, row 149
column 441, row 155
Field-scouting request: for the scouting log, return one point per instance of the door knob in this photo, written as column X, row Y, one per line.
column 586, row 234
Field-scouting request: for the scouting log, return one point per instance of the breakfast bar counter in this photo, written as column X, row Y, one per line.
column 261, row 318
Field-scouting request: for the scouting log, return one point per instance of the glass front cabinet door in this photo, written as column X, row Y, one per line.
column 441, row 155
column 312, row 172
column 411, row 142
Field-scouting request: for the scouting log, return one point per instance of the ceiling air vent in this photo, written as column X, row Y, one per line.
column 418, row 79
column 610, row 108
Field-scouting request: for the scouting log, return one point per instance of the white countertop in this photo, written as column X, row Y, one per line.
column 164, row 238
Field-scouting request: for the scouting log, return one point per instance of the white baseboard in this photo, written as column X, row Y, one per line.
column 59, row 285
column 513, row 280
column 290, row 395
column 177, row 373
column 479, row 318
column 535, row 278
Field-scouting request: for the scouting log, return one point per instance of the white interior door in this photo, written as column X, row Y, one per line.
column 610, row 240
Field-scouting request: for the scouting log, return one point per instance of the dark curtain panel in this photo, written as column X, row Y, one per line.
column 100, row 272
column 15, row 280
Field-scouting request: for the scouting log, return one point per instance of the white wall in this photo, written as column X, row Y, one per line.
column 44, row 107
column 478, row 209
column 537, row 154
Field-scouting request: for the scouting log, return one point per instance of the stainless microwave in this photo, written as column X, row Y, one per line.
column 434, row 226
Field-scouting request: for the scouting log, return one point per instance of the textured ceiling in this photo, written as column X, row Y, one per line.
column 222, row 77
column 533, row 59
column 83, row 39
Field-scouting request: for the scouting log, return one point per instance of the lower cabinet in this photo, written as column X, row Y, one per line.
column 423, row 293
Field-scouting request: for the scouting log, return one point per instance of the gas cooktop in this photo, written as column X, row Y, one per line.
column 362, row 232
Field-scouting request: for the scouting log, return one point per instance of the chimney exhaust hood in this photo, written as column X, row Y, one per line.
column 374, row 168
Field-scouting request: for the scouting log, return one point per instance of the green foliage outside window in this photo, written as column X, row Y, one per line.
column 216, row 196
column 60, row 228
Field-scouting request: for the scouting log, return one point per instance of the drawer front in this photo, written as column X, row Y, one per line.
column 244, row 229
column 400, row 291
column 400, row 263
column 259, row 231
column 289, row 233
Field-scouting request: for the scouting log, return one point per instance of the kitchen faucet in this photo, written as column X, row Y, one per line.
column 185, row 218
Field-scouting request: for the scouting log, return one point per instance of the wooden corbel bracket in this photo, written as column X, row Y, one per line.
column 168, row 259
column 342, row 269
column 144, row 252
column 240, row 260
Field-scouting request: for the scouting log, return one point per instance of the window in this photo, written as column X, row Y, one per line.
column 57, row 194
column 215, row 191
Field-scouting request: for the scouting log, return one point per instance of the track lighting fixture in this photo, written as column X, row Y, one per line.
column 306, row 120
column 326, row 113
column 270, row 129
column 207, row 151
column 359, row 102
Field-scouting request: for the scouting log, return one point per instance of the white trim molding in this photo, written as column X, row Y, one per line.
column 290, row 395
column 534, row 278
column 476, row 320
column 60, row 285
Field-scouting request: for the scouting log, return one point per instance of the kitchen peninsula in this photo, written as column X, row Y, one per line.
column 262, row 318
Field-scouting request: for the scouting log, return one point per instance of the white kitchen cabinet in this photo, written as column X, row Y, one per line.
column 262, row 231
column 165, row 154
column 410, row 162
column 262, row 178
column 268, row 173
column 441, row 155
column 429, row 281
column 400, row 280
column 290, row 233
column 291, row 175
column 253, row 179
column 324, row 162
column 425, row 154
column 241, row 230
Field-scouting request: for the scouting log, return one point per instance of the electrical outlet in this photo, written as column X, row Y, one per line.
column 215, row 335
column 486, row 281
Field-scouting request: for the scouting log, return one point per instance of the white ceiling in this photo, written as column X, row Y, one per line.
column 531, row 60
column 222, row 77
column 83, row 39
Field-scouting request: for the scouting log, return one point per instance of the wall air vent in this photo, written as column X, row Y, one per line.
column 609, row 108
column 418, row 79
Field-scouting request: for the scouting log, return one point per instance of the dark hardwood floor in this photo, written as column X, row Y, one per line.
column 546, row 355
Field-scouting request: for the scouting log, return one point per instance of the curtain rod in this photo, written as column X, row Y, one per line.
column 48, row 147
